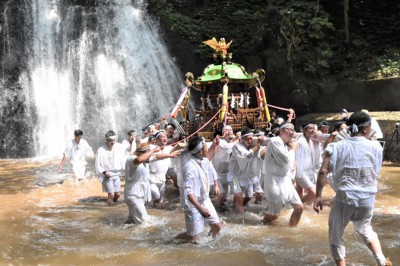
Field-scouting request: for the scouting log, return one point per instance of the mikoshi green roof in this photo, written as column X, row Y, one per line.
column 220, row 73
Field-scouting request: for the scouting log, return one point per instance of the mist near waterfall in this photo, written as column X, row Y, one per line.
column 93, row 68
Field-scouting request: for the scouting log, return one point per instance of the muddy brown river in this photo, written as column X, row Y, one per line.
column 47, row 218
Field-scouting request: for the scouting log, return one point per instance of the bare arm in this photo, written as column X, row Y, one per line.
column 216, row 187
column 290, row 115
column 211, row 150
column 256, row 147
column 321, row 181
column 63, row 160
column 330, row 139
column 173, row 154
column 145, row 156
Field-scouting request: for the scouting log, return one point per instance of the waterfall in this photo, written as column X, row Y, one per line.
column 94, row 68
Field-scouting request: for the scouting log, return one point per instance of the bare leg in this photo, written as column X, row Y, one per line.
column 375, row 247
column 215, row 228
column 116, row 196
column 185, row 236
column 157, row 203
column 296, row 214
column 238, row 203
column 110, row 199
column 175, row 180
column 269, row 218
column 258, row 198
column 219, row 201
column 300, row 191
column 246, row 200
column 341, row 262
column 310, row 195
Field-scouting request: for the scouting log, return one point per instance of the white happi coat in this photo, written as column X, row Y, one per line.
column 307, row 158
column 221, row 158
column 355, row 164
column 278, row 171
column 137, row 179
column 77, row 154
column 112, row 161
column 241, row 164
column 195, row 181
column 158, row 168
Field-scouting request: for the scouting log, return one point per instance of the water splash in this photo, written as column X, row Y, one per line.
column 92, row 67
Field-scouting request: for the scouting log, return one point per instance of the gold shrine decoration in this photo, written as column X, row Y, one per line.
column 219, row 46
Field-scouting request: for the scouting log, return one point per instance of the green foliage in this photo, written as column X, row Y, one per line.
column 294, row 37
column 231, row 20
column 388, row 65
column 304, row 30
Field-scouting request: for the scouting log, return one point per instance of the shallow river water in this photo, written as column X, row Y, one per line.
column 69, row 223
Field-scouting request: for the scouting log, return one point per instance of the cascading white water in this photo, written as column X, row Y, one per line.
column 94, row 68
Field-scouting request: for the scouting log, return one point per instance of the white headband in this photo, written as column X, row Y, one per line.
column 112, row 137
column 248, row 134
column 197, row 148
column 309, row 125
column 158, row 134
column 286, row 125
column 354, row 128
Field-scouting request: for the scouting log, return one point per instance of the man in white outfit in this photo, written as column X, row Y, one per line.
column 161, row 166
column 241, row 167
column 198, row 207
column 129, row 144
column 355, row 163
column 278, row 173
column 307, row 161
column 137, row 186
column 220, row 159
column 76, row 152
column 110, row 161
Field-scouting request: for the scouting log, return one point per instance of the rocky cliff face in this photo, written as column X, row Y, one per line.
column 14, row 130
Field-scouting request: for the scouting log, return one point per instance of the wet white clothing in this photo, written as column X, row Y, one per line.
column 112, row 161
column 179, row 164
column 159, row 168
column 137, row 189
column 195, row 182
column 210, row 170
column 128, row 147
column 376, row 128
column 355, row 163
column 307, row 161
column 241, row 165
column 77, row 154
column 221, row 158
column 278, row 172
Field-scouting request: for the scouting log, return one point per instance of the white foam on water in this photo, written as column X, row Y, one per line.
column 94, row 68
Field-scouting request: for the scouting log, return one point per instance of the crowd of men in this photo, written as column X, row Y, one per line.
column 278, row 168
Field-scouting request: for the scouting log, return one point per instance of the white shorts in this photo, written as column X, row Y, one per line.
column 275, row 204
column 112, row 184
column 306, row 180
column 195, row 221
column 247, row 190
